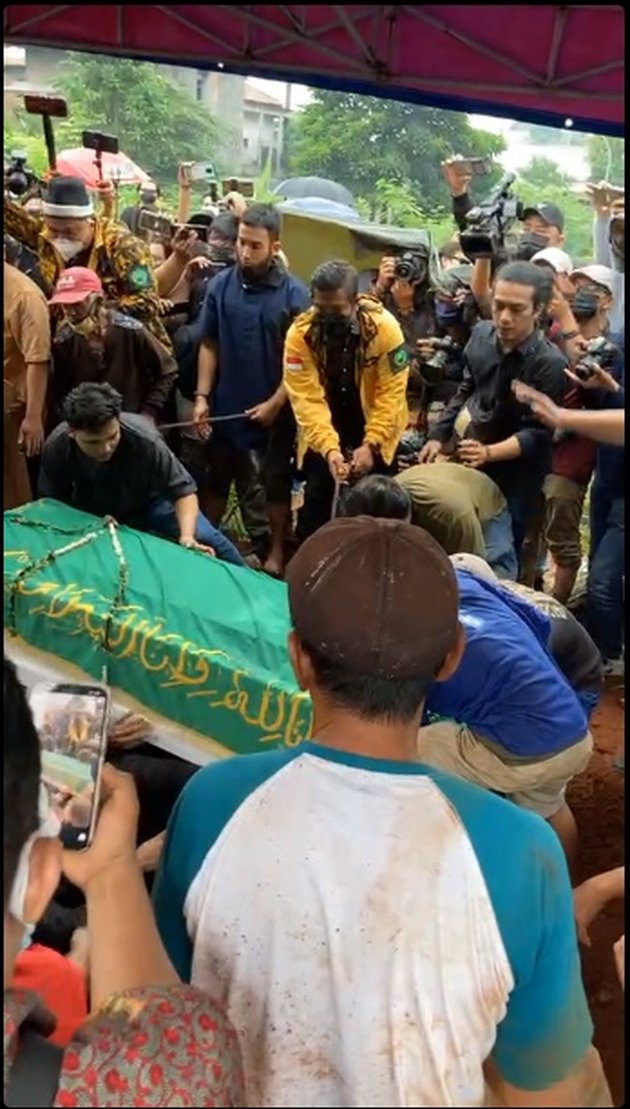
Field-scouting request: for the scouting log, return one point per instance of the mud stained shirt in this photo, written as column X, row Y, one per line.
column 376, row 930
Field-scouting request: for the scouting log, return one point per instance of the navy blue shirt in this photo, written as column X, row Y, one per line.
column 249, row 323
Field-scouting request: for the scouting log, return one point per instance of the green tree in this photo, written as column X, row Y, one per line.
column 32, row 145
column 606, row 157
column 156, row 122
column 361, row 140
column 542, row 174
column 397, row 205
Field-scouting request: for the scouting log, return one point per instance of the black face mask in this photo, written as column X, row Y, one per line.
column 529, row 244
column 585, row 305
column 335, row 329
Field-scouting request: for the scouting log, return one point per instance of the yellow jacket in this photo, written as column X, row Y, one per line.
column 382, row 371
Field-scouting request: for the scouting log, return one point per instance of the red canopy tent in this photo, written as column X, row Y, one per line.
column 545, row 63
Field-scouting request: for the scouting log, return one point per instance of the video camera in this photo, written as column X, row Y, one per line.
column 490, row 222
column 444, row 353
column 18, row 177
column 599, row 355
column 411, row 266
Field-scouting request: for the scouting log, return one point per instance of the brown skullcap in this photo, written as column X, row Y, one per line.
column 375, row 596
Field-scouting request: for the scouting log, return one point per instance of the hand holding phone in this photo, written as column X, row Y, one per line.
column 155, row 224
column 72, row 723
column 114, row 843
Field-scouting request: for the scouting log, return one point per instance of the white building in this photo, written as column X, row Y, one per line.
column 264, row 123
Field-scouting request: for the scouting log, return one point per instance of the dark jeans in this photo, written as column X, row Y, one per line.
column 521, row 506
column 162, row 518
column 604, row 599
column 319, row 492
column 499, row 541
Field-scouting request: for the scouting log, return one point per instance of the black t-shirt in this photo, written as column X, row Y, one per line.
column 485, row 407
column 576, row 654
column 342, row 391
column 141, row 472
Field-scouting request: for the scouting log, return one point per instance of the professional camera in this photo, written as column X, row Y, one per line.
column 599, row 355
column 489, row 222
column 18, row 177
column 435, row 368
column 411, row 266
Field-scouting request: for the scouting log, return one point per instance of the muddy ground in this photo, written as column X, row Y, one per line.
column 597, row 799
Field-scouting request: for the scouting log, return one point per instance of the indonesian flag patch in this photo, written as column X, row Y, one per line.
column 293, row 364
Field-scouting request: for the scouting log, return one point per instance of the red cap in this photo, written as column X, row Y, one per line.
column 75, row 284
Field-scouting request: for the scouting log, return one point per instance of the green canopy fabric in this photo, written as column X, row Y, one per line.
column 199, row 641
column 310, row 240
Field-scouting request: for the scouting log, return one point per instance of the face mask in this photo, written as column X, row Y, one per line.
column 585, row 305
column 67, row 248
column 27, row 938
column 529, row 244
column 48, row 828
column 88, row 328
column 447, row 313
column 335, row 328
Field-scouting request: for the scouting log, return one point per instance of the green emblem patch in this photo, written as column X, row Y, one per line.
column 139, row 278
column 399, row 360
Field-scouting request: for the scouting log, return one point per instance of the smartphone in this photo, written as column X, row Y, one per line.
column 103, row 144
column 478, row 167
column 202, row 171
column 155, row 223
column 54, row 106
column 244, row 186
column 72, row 722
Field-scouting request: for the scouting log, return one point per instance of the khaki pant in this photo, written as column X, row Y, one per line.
column 539, row 785
column 564, row 503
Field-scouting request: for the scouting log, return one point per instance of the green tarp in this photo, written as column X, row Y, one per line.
column 199, row 641
column 310, row 240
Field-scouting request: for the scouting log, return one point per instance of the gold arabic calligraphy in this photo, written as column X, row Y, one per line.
column 279, row 715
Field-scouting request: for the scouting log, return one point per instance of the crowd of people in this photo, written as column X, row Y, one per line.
column 412, row 450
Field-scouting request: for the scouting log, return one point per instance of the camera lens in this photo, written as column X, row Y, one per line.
column 17, row 183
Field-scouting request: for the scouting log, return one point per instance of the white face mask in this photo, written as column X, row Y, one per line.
column 48, row 828
column 67, row 248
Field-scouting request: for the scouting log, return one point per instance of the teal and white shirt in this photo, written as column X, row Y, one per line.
column 376, row 930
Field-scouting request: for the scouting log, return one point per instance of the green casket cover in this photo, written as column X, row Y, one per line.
column 199, row 641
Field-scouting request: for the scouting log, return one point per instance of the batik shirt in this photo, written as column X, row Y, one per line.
column 122, row 262
column 153, row 1046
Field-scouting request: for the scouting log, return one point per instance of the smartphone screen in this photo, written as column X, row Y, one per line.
column 202, row 171
column 72, row 723
column 155, row 223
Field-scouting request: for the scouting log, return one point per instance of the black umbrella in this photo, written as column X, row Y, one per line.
column 296, row 188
